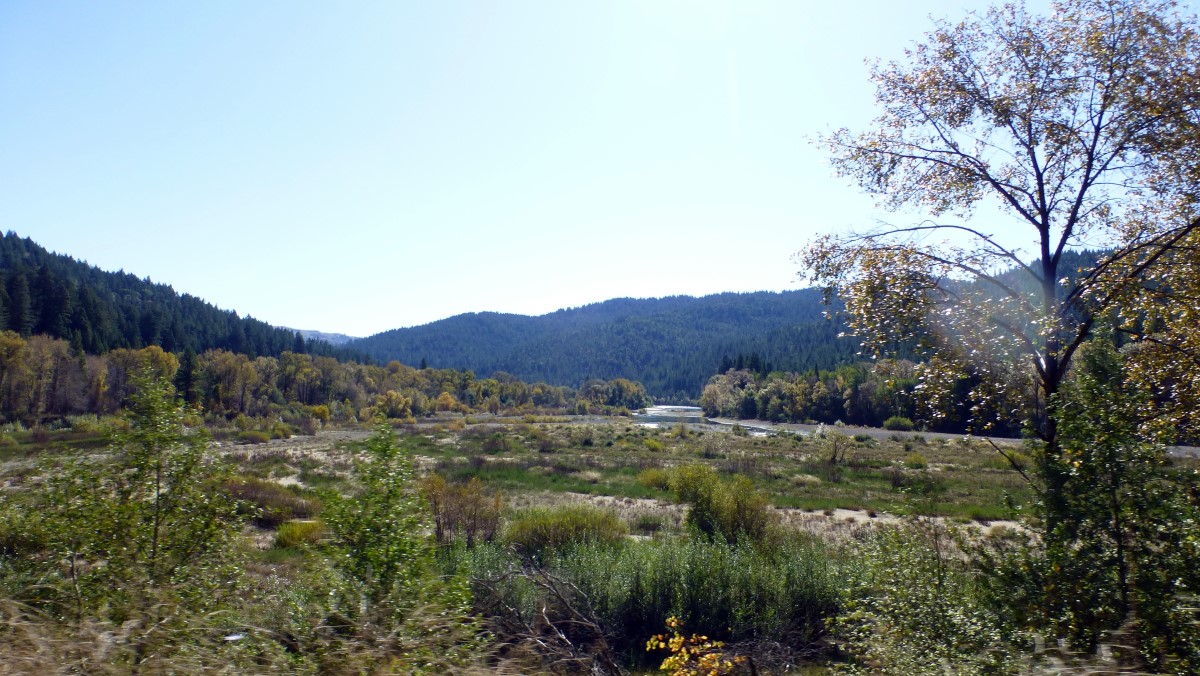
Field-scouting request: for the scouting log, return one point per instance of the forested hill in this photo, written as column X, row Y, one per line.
column 670, row 345
column 97, row 311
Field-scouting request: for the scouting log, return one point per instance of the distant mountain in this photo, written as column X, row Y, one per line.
column 670, row 345
column 331, row 338
column 97, row 311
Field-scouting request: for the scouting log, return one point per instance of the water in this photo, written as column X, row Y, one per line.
column 662, row 416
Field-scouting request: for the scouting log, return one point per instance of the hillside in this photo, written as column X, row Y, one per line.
column 96, row 311
column 670, row 345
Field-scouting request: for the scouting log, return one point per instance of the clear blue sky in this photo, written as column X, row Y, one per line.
column 356, row 167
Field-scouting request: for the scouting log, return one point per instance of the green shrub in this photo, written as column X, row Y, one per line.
column 913, row 607
column 898, row 423
column 916, row 461
column 1000, row 462
column 656, row 478
column 253, row 437
column 21, row 534
column 654, row 445
column 383, row 589
column 731, row 510
column 148, row 545
column 537, row 531
column 299, row 533
column 280, row 430
column 85, row 424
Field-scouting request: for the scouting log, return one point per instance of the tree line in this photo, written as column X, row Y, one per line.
column 871, row 394
column 43, row 378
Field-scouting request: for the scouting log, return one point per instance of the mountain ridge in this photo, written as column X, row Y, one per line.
column 672, row 345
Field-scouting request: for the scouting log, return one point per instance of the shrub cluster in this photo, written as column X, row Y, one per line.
column 732, row 509
column 268, row 503
column 536, row 532
column 898, row 423
column 299, row 533
column 462, row 510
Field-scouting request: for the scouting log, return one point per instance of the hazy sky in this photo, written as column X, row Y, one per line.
column 361, row 166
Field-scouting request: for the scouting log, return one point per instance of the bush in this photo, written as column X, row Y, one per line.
column 40, row 435
column 731, row 510
column 898, row 423
column 1000, row 462
column 309, row 426
column 253, row 437
column 138, row 545
column 496, row 443
column 649, row 523
column 464, row 510
column 835, row 445
column 21, row 534
column 270, row 503
column 299, row 533
column 897, row 478
column 654, row 445
column 916, row 461
column 85, row 424
column 538, row 531
column 655, row 478
column 913, row 607
column 281, row 430
column 695, row 654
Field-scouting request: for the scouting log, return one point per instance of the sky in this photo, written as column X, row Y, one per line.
column 357, row 167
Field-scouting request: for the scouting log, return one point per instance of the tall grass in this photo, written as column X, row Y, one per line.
column 731, row 592
column 537, row 532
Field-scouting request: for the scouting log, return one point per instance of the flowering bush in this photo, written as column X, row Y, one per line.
column 694, row 655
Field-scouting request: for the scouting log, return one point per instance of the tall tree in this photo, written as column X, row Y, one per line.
column 1080, row 126
column 187, row 378
column 20, row 313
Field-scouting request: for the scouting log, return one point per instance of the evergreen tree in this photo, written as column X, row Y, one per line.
column 187, row 378
column 21, row 317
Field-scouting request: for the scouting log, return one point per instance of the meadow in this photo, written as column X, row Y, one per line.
column 577, row 539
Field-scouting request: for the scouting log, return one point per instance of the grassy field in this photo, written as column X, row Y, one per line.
column 540, row 461
column 828, row 489
column 894, row 474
